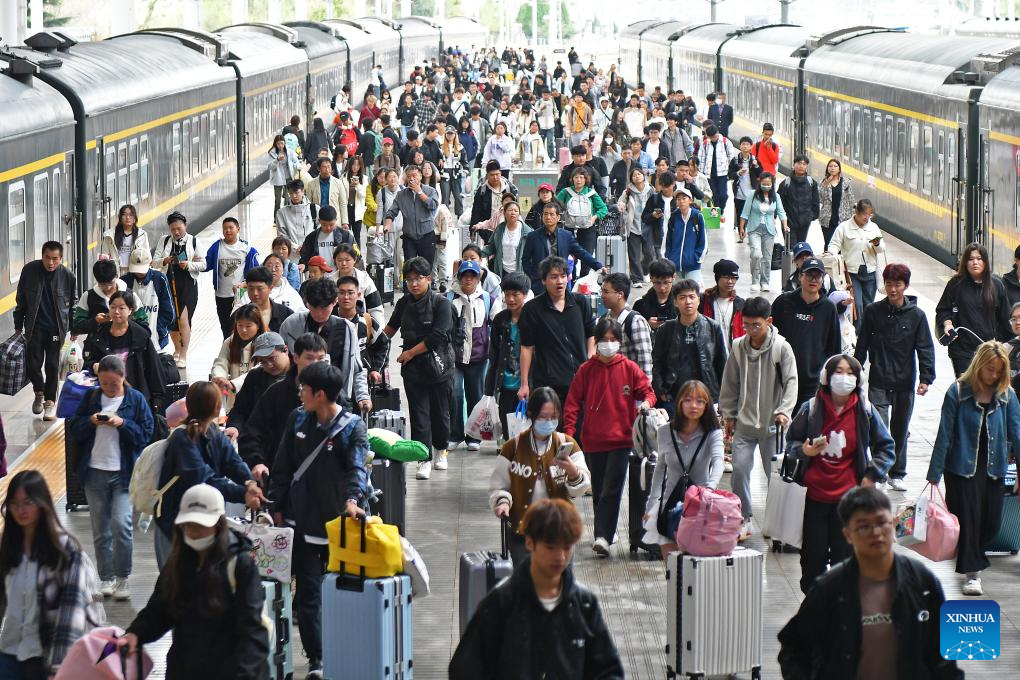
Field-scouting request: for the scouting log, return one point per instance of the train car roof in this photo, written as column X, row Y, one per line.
column 256, row 48
column 638, row 27
column 378, row 27
column 1003, row 90
column 355, row 36
column 779, row 44
column 909, row 61
column 666, row 32
column 318, row 38
column 988, row 26
column 706, row 37
column 123, row 70
column 415, row 26
column 30, row 106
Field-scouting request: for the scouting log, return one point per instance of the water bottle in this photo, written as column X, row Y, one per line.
column 144, row 521
column 72, row 360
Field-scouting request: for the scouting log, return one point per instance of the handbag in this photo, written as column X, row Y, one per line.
column 942, row 533
column 711, row 522
column 13, row 364
column 380, row 554
column 667, row 522
column 72, row 392
column 271, row 545
column 97, row 656
column 778, row 250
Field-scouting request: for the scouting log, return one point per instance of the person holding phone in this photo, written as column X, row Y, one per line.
column 860, row 241
column 839, row 442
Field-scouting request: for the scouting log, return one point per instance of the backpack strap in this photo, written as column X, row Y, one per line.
column 368, row 324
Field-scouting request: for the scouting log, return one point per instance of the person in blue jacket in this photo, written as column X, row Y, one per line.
column 229, row 259
column 685, row 238
column 539, row 245
column 199, row 453
column 112, row 425
column 152, row 290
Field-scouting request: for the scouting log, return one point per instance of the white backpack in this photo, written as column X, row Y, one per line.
column 578, row 210
column 144, row 490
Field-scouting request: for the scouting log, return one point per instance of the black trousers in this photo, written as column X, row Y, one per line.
column 635, row 253
column 738, row 210
column 451, row 189
column 224, row 305
column 309, row 565
column 977, row 503
column 507, row 400
column 424, row 246
column 44, row 358
column 429, row 407
column 799, row 232
column 608, row 475
column 587, row 239
column 824, row 544
column 902, row 406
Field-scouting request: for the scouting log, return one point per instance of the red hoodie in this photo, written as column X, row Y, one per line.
column 831, row 473
column 609, row 394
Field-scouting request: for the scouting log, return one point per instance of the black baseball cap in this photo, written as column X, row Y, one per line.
column 812, row 263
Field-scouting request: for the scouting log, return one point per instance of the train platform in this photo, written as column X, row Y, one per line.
column 449, row 514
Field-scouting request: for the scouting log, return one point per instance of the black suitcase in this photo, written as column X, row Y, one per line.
column 174, row 392
column 639, row 475
column 75, row 491
column 168, row 368
column 384, row 397
column 382, row 275
column 390, row 483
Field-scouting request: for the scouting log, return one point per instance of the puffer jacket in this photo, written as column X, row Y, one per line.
column 572, row 642
column 666, row 357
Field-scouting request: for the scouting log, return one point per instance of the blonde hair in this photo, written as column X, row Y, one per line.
column 986, row 353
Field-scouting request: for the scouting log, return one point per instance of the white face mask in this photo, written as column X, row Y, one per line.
column 842, row 384
column 200, row 544
column 608, row 348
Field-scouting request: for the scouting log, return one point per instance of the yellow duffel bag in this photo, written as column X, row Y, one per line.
column 367, row 543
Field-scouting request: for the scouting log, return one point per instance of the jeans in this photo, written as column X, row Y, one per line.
column 429, row 410
column 694, row 275
column 29, row 669
column 44, row 357
column 577, row 137
column 743, row 462
column 720, row 194
column 761, row 243
column 163, row 543
column 865, row 286
column 309, row 566
column 608, row 475
column 224, row 305
column 738, row 210
column 451, row 189
column 110, row 512
column 550, row 141
column 587, row 239
column 635, row 253
column 823, row 543
column 425, row 246
column 467, row 383
column 902, row 405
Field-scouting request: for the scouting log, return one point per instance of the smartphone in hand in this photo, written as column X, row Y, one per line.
column 565, row 450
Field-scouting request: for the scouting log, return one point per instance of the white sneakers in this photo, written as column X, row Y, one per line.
column 107, row 588
column 727, row 465
column 440, row 460
column 897, row 484
column 745, row 531
column 972, row 586
column 121, row 590
column 600, row 547
column 424, row 469
column 49, row 410
column 755, row 288
column 765, row 288
column 37, row 404
column 474, row 446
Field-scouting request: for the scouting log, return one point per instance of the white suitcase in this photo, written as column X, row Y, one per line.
column 612, row 252
column 714, row 614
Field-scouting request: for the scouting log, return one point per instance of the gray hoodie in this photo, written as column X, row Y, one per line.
column 294, row 220
column 759, row 384
column 631, row 204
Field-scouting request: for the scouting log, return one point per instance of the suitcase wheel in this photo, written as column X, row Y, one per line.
column 777, row 546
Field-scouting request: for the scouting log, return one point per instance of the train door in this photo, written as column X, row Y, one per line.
column 984, row 195
column 958, row 199
column 67, row 217
column 104, row 182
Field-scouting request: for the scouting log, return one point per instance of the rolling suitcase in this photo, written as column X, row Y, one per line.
column 714, row 614
column 382, row 277
column 563, row 155
column 75, row 491
column 367, row 627
column 384, row 397
column 389, row 480
column 394, row 421
column 278, row 607
column 1007, row 539
column 639, row 480
column 480, row 571
column 612, row 252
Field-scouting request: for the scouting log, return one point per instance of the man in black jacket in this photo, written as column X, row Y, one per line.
column 656, row 305
column 566, row 636
column 269, row 351
column 876, row 614
column 503, row 377
column 619, row 175
column 893, row 330
column 800, row 199
column 320, row 474
column 43, row 311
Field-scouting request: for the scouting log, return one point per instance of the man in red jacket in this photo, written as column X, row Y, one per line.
column 767, row 151
column 606, row 394
column 722, row 302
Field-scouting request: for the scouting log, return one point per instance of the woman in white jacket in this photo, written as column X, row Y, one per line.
column 118, row 241
column 180, row 256
column 859, row 240
column 498, row 148
column 283, row 167
column 531, row 150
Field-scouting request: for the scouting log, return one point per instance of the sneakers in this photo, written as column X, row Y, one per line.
column 755, row 288
column 108, row 588
column 765, row 288
column 452, row 446
column 972, row 587
column 639, row 284
column 897, row 484
column 474, row 446
column 727, row 465
column 314, row 670
column 37, row 404
column 181, row 362
column 121, row 590
column 49, row 410
column 600, row 547
column 745, row 531
column 440, row 461
column 424, row 472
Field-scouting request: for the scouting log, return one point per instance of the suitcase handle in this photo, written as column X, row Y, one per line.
column 504, row 537
column 350, row 581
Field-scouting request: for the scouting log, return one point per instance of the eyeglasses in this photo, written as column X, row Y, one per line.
column 693, row 401
column 753, row 326
column 1015, row 320
column 414, row 280
column 865, row 529
column 348, row 293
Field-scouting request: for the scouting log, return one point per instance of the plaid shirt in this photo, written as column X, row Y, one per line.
column 424, row 113
column 637, row 340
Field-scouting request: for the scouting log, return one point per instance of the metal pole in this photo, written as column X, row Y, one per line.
column 784, row 16
column 534, row 21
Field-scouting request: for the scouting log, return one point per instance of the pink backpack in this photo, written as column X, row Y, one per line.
column 95, row 656
column 711, row 522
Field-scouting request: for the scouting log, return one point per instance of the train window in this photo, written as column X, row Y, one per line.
column 205, row 144
column 196, row 147
column 940, row 169
column 827, row 135
column 819, row 122
column 133, row 169
column 110, row 159
column 914, row 142
column 16, row 229
column 176, row 143
column 928, row 149
column 122, row 173
column 876, row 139
column 837, row 116
column 855, row 117
column 901, row 150
column 56, row 202
column 40, row 211
column 866, row 138
column 950, row 163
column 186, row 147
column 890, row 147
column 846, row 131
column 213, row 140
column 143, row 167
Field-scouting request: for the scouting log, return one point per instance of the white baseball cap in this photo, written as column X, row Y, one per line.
column 201, row 504
column 140, row 261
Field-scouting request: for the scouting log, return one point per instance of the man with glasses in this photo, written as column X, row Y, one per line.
column 722, row 303
column 893, row 331
column 269, row 352
column 757, row 397
column 810, row 323
column 656, row 306
column 875, row 614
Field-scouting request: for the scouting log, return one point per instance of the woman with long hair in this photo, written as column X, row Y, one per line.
column 199, row 453
column 209, row 594
column 840, row 442
column 973, row 308
column 980, row 426
column 690, row 451
column 118, row 241
column 355, row 180
column 317, row 140
column 454, row 162
column 112, row 426
column 429, row 174
column 234, row 359
column 49, row 589
column 836, row 194
column 283, row 167
column 182, row 259
column 758, row 225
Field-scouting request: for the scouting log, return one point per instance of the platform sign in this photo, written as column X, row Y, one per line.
column 527, row 183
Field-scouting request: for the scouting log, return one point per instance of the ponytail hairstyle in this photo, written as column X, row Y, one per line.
column 203, row 402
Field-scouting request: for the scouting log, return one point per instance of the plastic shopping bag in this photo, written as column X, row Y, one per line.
column 272, row 546
column 483, row 423
column 912, row 522
column 70, row 358
column 517, row 421
column 589, row 283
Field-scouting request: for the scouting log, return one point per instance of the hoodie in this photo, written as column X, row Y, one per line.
column 470, row 340
column 91, row 303
column 294, row 220
column 608, row 393
column 686, row 241
column 153, row 294
column 812, row 329
column 759, row 384
column 1012, row 283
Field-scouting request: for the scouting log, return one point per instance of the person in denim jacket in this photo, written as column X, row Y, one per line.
column 980, row 424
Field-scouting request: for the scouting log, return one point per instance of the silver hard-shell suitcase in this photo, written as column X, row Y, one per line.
column 480, row 572
column 612, row 252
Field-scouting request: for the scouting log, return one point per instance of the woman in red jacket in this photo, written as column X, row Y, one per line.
column 606, row 395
